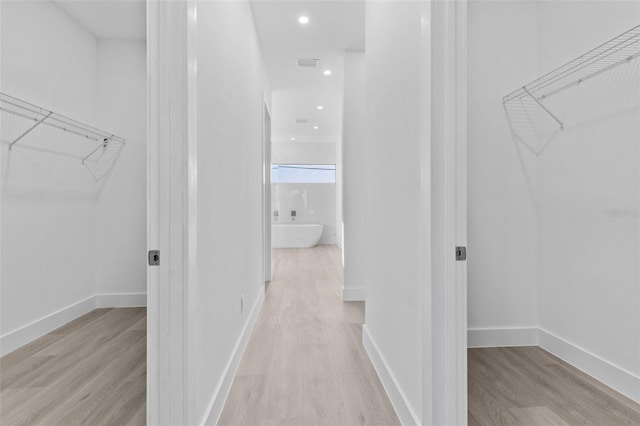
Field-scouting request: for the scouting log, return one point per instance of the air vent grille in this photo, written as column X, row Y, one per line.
column 307, row 62
column 302, row 120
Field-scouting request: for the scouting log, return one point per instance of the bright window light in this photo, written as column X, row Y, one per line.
column 303, row 173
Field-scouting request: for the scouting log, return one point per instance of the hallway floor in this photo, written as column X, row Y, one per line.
column 528, row 386
column 91, row 371
column 305, row 363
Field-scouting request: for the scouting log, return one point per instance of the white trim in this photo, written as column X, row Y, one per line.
column 121, row 300
column 400, row 402
column 38, row 328
column 446, row 337
column 502, row 337
column 353, row 294
column 21, row 336
column 214, row 409
column 171, row 212
column 619, row 379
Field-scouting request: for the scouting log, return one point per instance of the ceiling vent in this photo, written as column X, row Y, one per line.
column 302, row 120
column 307, row 62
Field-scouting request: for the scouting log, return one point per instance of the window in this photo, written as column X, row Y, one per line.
column 303, row 173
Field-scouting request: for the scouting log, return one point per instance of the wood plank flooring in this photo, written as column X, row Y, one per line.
column 305, row 363
column 91, row 371
column 530, row 386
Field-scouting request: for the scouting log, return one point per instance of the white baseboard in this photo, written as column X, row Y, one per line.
column 502, row 337
column 38, row 328
column 398, row 399
column 619, row 379
column 121, row 300
column 214, row 410
column 353, row 294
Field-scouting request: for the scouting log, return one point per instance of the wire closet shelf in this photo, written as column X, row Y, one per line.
column 615, row 52
column 29, row 126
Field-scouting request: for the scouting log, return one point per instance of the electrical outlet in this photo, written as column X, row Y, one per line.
column 242, row 304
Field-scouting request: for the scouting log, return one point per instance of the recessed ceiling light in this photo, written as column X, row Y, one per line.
column 293, row 139
column 320, row 107
column 315, row 127
column 327, row 72
column 303, row 19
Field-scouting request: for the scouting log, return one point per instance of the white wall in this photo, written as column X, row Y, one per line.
column 502, row 180
column 356, row 172
column 313, row 202
column 588, row 279
column 229, row 192
column 48, row 204
column 392, row 206
column 554, row 237
column 303, row 153
column 121, row 216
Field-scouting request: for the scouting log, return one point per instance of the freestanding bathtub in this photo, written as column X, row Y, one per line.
column 295, row 235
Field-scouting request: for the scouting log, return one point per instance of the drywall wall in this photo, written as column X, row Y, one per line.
column 553, row 223
column 48, row 202
column 303, row 153
column 121, row 214
column 393, row 120
column 314, row 202
column 589, row 191
column 502, row 181
column 356, row 172
column 229, row 192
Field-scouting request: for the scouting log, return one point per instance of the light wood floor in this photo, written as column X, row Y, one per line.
column 91, row 371
column 305, row 363
column 529, row 386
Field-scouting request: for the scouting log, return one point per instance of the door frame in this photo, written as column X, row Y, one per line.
column 172, row 220
column 171, row 208
column 266, row 191
column 447, row 373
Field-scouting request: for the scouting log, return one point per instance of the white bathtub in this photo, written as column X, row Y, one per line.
column 295, row 235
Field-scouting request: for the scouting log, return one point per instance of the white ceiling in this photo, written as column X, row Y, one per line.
column 335, row 26
column 109, row 19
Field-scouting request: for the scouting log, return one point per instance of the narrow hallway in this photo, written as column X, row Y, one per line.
column 305, row 363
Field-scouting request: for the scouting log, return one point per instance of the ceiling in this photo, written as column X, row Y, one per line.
column 109, row 19
column 334, row 26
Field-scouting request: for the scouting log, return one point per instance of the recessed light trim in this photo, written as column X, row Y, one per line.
column 293, row 139
column 320, row 107
column 327, row 72
column 315, row 127
column 303, row 19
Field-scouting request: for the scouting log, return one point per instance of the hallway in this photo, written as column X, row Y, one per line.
column 305, row 363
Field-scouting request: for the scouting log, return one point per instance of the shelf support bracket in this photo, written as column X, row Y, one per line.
column 104, row 144
column 39, row 122
column 544, row 108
